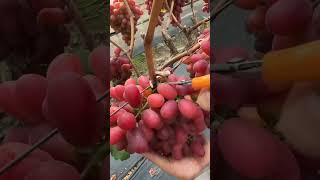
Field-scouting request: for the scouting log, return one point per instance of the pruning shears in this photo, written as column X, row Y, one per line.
column 278, row 69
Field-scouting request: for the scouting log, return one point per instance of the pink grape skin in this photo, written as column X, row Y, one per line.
column 200, row 66
column 250, row 150
column 199, row 121
column 119, row 91
column 205, row 46
column 65, row 62
column 197, row 149
column 167, row 91
column 116, row 135
column 137, row 142
column 177, row 151
column 99, row 64
column 53, row 170
column 126, row 121
column 169, row 110
column 287, row 167
column 155, row 100
column 163, row 133
column 187, row 108
column 114, row 117
column 130, row 81
column 117, row 51
column 147, row 132
column 30, row 92
column 186, row 150
column 172, row 78
column 287, row 17
column 11, row 150
column 132, row 95
column 181, row 135
column 196, row 57
column 183, row 90
column 144, row 81
column 73, row 106
column 151, row 119
column 121, row 145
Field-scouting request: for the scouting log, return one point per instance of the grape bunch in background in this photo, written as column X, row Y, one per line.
column 121, row 67
column 177, row 10
column 33, row 29
column 165, row 120
column 198, row 64
column 120, row 18
column 247, row 146
column 206, row 6
column 65, row 99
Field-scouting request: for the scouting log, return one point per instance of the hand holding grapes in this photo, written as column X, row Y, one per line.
column 184, row 169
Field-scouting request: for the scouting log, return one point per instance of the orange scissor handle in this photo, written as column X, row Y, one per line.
column 282, row 68
column 201, row 82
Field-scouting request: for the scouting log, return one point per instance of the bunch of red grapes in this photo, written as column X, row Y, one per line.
column 120, row 18
column 167, row 125
column 33, row 29
column 121, row 67
column 177, row 10
column 245, row 148
column 65, row 99
column 199, row 63
column 165, row 120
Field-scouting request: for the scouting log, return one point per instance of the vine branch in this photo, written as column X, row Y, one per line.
column 149, row 38
column 131, row 28
column 88, row 38
column 128, row 55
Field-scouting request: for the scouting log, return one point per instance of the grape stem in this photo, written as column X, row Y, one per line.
column 166, row 37
column 183, row 29
column 132, row 28
column 176, row 58
column 194, row 17
column 88, row 38
column 128, row 55
column 28, row 151
column 141, row 109
column 221, row 6
column 149, row 38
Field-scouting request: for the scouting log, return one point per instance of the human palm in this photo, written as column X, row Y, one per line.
column 184, row 169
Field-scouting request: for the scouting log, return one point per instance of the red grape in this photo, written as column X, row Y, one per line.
column 136, row 141
column 116, row 135
column 126, row 121
column 65, row 62
column 187, row 108
column 132, row 95
column 167, row 91
column 151, row 119
column 155, row 100
column 287, row 17
column 250, row 150
column 73, row 106
column 99, row 62
column 30, row 91
column 53, row 170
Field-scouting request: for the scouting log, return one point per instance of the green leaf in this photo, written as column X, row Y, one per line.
column 119, row 155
